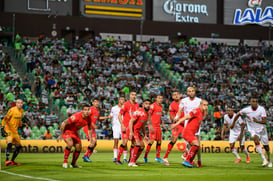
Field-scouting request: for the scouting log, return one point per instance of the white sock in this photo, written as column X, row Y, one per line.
column 260, row 151
column 115, row 153
column 234, row 152
column 125, row 154
column 246, row 152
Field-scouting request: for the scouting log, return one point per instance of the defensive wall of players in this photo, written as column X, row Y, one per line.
column 51, row 146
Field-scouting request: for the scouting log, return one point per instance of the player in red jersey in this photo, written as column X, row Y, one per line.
column 136, row 126
column 195, row 117
column 69, row 132
column 173, row 109
column 124, row 117
column 94, row 115
column 154, row 123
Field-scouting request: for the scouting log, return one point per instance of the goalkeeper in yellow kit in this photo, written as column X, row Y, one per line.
column 10, row 124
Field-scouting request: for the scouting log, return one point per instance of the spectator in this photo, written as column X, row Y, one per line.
column 70, row 111
column 48, row 135
column 9, row 97
column 27, row 132
column 25, row 83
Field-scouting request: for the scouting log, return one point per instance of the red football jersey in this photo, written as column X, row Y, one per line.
column 195, row 121
column 173, row 109
column 76, row 122
column 94, row 114
column 141, row 118
column 156, row 112
column 127, row 110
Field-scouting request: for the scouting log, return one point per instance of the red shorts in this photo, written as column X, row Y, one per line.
column 177, row 130
column 156, row 135
column 74, row 136
column 126, row 134
column 137, row 135
column 85, row 130
column 189, row 135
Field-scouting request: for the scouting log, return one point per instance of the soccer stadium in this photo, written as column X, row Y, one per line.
column 136, row 90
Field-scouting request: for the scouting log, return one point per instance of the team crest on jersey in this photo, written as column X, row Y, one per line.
column 72, row 118
column 194, row 111
column 95, row 116
column 152, row 106
column 143, row 121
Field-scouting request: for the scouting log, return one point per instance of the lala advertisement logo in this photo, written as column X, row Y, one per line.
column 252, row 15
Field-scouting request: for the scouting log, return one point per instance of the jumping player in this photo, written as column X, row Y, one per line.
column 237, row 133
column 124, row 117
column 154, row 120
column 255, row 117
column 69, row 132
column 194, row 118
column 136, row 126
column 11, row 122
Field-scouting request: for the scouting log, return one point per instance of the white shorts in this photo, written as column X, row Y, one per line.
column 262, row 135
column 116, row 132
column 234, row 136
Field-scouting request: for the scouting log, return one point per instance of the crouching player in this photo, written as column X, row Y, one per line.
column 69, row 132
column 195, row 117
column 136, row 126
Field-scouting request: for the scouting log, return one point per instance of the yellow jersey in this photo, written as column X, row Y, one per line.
column 12, row 120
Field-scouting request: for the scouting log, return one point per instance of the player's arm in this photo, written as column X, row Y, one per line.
column 224, row 130
column 121, row 113
column 131, row 123
column 181, row 121
column 178, row 114
column 63, row 125
column 243, row 125
column 104, row 117
column 234, row 120
column 90, row 130
column 149, row 118
column 263, row 121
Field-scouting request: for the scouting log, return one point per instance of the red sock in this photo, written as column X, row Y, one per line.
column 170, row 147
column 147, row 150
column 121, row 148
column 131, row 152
column 89, row 152
column 66, row 154
column 158, row 150
column 192, row 153
column 76, row 155
column 135, row 152
column 139, row 153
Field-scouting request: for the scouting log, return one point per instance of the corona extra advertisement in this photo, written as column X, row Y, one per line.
column 185, row 11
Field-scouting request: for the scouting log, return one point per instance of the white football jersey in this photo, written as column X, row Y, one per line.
column 188, row 105
column 249, row 114
column 114, row 112
column 237, row 126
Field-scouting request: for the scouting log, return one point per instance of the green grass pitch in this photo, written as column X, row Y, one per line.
column 216, row 166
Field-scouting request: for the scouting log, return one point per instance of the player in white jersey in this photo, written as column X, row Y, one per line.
column 255, row 117
column 187, row 105
column 236, row 133
column 116, row 127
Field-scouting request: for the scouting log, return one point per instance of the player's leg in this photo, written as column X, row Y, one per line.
column 15, row 153
column 244, row 150
column 121, row 149
column 151, row 141
column 9, row 140
column 199, row 163
column 259, row 149
column 115, row 149
column 264, row 140
column 133, row 143
column 137, row 147
column 234, row 152
column 69, row 144
column 125, row 152
column 142, row 147
column 90, row 149
column 191, row 138
column 76, row 154
column 169, row 148
column 158, row 145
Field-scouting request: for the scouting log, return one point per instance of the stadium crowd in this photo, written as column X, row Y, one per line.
column 70, row 74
